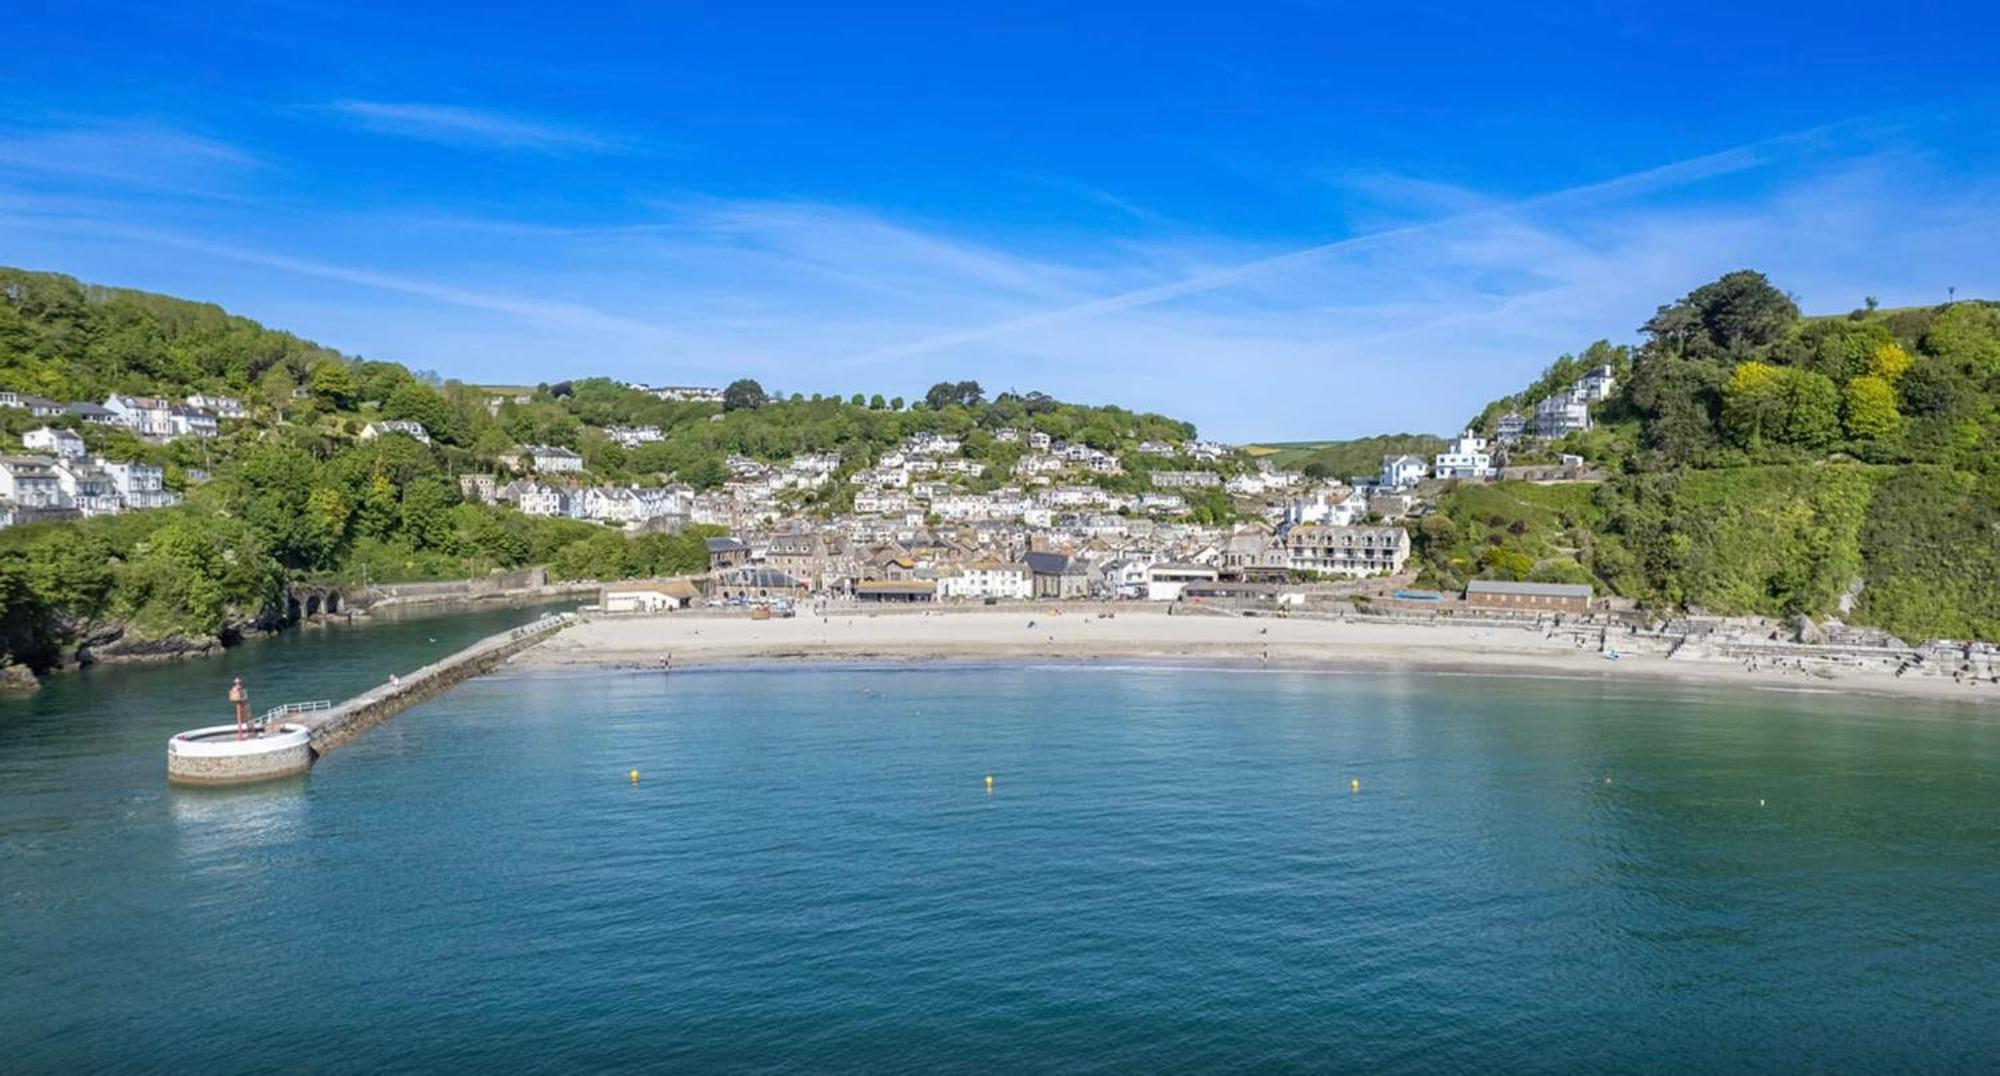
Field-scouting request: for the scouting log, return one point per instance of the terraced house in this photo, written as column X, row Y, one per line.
column 1349, row 551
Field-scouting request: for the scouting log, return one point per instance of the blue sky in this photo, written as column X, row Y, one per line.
column 1292, row 220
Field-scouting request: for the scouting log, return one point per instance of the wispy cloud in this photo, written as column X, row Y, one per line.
column 137, row 155
column 1706, row 166
column 1408, row 327
column 458, row 125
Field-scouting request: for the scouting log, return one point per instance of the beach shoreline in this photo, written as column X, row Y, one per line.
column 1087, row 636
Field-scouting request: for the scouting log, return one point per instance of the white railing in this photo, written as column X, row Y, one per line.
column 279, row 713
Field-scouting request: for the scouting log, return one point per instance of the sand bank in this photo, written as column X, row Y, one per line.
column 1147, row 632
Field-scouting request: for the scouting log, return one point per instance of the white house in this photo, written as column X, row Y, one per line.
column 227, row 407
column 932, row 444
column 688, row 394
column 1561, row 414
column 1125, row 577
column 1036, row 463
column 609, row 504
column 88, row 488
column 649, row 597
column 64, row 444
column 1402, row 472
column 1467, row 457
column 1186, row 480
column 540, row 499
column 1597, row 385
column 191, row 422
column 30, row 482
column 634, row 436
column 1167, row 580
column 984, row 579
column 33, row 405
column 546, row 459
column 408, row 428
column 140, row 485
column 146, row 416
column 1338, row 507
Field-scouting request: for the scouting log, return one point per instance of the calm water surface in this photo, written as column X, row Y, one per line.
column 1171, row 873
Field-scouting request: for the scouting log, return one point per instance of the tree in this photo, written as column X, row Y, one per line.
column 876, row 403
column 1677, row 400
column 1869, row 408
column 743, row 394
column 1812, row 409
column 1736, row 317
column 1779, row 404
column 426, row 515
column 332, row 382
column 1967, row 335
column 1889, row 363
column 858, row 400
column 413, row 401
column 896, row 404
column 944, row 394
column 707, row 472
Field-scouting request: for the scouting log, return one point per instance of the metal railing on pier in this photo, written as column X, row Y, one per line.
column 292, row 709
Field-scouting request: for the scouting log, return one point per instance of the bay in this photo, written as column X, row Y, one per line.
column 1173, row 871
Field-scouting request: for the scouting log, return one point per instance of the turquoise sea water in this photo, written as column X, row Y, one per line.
column 1170, row 873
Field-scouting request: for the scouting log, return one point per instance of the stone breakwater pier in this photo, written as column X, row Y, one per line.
column 291, row 737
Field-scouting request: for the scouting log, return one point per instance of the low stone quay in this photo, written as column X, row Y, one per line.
column 338, row 725
column 290, row 738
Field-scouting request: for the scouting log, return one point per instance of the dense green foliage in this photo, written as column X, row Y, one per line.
column 1770, row 464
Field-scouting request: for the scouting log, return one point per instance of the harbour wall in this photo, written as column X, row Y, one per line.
column 216, row 756
column 339, row 725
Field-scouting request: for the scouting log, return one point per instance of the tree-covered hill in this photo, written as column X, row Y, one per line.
column 1768, row 463
column 293, row 491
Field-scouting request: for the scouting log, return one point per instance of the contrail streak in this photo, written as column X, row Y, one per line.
column 1723, row 162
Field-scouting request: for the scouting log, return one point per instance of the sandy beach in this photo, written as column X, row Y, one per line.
column 1080, row 633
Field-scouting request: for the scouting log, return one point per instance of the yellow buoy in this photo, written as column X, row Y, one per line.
column 1354, row 785
column 989, row 781
column 635, row 777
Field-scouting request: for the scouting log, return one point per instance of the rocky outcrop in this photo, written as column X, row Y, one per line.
column 116, row 641
column 17, row 679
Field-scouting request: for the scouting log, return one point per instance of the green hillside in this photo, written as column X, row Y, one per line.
column 295, row 493
column 1343, row 460
column 1772, row 464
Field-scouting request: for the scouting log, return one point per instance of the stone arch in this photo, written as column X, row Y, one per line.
column 312, row 604
column 332, row 602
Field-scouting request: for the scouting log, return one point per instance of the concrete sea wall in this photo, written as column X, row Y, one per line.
column 338, row 726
